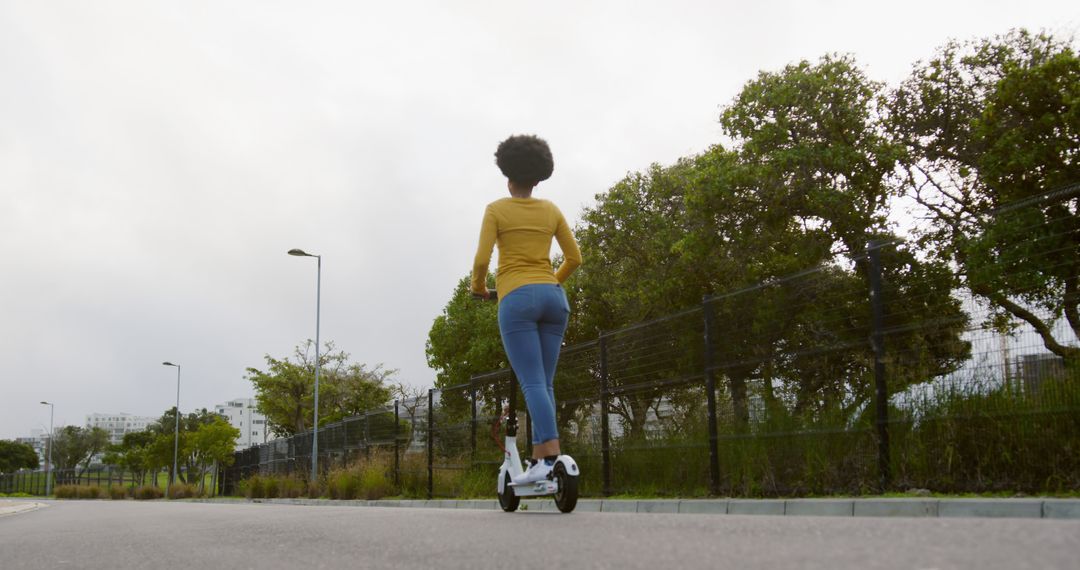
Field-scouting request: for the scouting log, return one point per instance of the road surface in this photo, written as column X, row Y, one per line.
column 130, row 534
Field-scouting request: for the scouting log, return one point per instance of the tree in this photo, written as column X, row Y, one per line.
column 132, row 453
column 15, row 456
column 74, row 446
column 167, row 442
column 989, row 127
column 814, row 140
column 210, row 445
column 464, row 340
column 285, row 391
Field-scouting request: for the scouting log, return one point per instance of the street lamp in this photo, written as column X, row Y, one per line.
column 176, row 430
column 48, row 464
column 318, row 302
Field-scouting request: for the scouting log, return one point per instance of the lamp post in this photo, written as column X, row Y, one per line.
column 176, row 429
column 48, row 462
column 318, row 302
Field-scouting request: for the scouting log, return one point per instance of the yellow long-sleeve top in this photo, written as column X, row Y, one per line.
column 523, row 228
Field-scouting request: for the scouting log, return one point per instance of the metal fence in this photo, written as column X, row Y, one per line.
column 36, row 482
column 866, row 374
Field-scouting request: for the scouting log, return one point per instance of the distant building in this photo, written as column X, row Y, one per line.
column 118, row 424
column 39, row 440
column 241, row 414
column 1036, row 369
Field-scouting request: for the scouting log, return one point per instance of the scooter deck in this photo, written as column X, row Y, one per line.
column 543, row 487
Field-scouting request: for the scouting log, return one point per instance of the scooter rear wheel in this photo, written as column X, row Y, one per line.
column 507, row 499
column 566, row 496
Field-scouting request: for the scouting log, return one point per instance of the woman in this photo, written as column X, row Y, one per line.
column 533, row 310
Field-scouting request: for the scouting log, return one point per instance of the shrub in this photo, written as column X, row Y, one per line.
column 314, row 489
column 66, row 492
column 291, row 487
column 253, row 487
column 182, row 491
column 343, row 484
column 374, row 482
column 147, row 492
column 89, row 492
column 273, row 487
column 118, row 493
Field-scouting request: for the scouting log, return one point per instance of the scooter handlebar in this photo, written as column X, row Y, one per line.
column 493, row 295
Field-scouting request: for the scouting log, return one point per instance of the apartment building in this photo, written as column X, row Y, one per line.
column 118, row 424
column 241, row 414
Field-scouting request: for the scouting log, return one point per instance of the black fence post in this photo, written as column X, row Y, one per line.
column 367, row 434
column 397, row 444
column 710, row 398
column 430, row 443
column 472, row 441
column 881, row 394
column 605, row 434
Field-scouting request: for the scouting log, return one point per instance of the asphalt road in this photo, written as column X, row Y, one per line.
column 129, row 534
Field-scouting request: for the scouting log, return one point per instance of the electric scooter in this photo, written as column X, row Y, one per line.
column 561, row 484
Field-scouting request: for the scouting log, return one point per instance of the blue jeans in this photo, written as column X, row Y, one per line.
column 532, row 321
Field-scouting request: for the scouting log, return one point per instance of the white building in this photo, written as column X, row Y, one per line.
column 118, row 424
column 241, row 414
column 39, row 440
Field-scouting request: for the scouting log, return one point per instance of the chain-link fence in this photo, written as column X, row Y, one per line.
column 877, row 371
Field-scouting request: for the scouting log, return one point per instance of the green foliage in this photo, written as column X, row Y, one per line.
column 343, row 484
column 285, row 391
column 133, row 453
column 73, row 446
column 367, row 478
column 79, row 492
column 183, row 491
column 148, row 492
column 253, row 487
column 464, row 340
column 211, row 444
column 987, row 125
column 66, row 491
column 90, row 492
column 15, row 456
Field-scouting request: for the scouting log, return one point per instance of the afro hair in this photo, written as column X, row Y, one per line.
column 525, row 159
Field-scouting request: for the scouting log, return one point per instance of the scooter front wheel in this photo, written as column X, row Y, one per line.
column 507, row 499
column 566, row 496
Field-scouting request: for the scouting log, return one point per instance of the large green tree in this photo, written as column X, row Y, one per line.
column 15, row 456
column 989, row 127
column 820, row 159
column 285, row 391
column 133, row 454
column 209, row 446
column 74, row 447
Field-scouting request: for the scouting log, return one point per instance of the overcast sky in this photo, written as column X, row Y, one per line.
column 157, row 160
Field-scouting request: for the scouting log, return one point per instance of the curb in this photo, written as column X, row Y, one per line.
column 915, row 507
column 8, row 509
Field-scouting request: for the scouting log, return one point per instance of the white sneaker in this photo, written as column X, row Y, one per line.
column 537, row 472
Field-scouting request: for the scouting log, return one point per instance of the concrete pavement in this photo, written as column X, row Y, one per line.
column 131, row 534
column 14, row 507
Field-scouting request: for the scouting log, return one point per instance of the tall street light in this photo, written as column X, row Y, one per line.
column 176, row 430
column 318, row 302
column 48, row 464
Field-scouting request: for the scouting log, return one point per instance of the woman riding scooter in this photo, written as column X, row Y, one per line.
column 533, row 310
